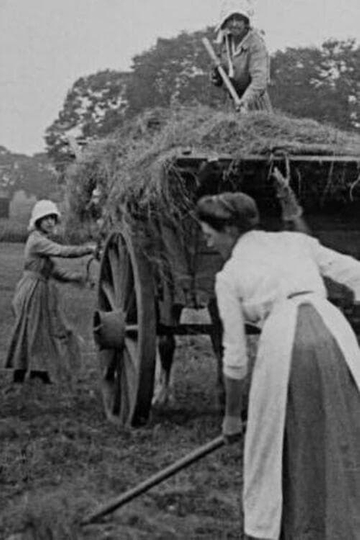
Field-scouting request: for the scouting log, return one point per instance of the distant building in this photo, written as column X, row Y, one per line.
column 21, row 205
column 4, row 203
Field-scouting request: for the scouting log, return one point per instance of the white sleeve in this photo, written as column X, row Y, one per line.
column 341, row 268
column 235, row 359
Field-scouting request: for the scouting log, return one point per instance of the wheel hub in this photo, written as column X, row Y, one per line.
column 109, row 329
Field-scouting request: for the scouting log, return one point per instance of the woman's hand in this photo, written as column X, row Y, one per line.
column 281, row 183
column 232, row 429
column 91, row 250
column 291, row 209
column 215, row 77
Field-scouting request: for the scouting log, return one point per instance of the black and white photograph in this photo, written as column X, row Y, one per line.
column 179, row 270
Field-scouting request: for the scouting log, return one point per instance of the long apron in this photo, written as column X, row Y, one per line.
column 303, row 431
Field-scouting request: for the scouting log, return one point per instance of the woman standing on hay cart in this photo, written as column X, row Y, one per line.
column 244, row 56
column 302, row 459
column 42, row 345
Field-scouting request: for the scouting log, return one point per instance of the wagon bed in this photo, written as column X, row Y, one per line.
column 153, row 266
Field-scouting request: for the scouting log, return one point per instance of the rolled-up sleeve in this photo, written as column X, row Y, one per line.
column 235, row 359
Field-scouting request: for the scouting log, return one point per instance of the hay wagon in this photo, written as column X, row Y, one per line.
column 156, row 263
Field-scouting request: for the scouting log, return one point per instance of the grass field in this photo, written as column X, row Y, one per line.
column 59, row 458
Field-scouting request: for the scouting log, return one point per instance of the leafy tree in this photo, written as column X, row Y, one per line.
column 35, row 175
column 93, row 108
column 341, row 65
column 320, row 83
column 38, row 177
column 175, row 70
column 294, row 74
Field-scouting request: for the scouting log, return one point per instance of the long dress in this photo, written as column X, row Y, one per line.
column 42, row 340
column 302, row 442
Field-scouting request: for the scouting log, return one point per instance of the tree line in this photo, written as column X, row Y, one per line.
column 322, row 83
column 35, row 175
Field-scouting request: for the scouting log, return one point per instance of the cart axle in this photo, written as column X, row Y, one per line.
column 195, row 329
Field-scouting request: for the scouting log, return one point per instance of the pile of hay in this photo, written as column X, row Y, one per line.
column 131, row 169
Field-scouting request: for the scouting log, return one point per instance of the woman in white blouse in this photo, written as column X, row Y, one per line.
column 302, row 443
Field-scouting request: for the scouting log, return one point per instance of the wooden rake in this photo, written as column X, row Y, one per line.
column 141, row 488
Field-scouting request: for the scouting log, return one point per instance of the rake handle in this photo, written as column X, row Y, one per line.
column 131, row 494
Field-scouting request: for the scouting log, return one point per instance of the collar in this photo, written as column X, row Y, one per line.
column 244, row 43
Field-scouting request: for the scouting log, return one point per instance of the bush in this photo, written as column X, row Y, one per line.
column 12, row 231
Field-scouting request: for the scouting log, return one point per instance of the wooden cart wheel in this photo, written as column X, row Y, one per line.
column 125, row 285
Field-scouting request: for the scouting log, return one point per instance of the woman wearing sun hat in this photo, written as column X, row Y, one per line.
column 244, row 56
column 42, row 344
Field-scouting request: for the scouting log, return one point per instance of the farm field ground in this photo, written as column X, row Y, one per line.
column 60, row 459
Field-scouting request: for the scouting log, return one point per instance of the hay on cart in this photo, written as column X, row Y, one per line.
column 135, row 171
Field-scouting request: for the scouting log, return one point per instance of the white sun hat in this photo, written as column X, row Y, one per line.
column 230, row 7
column 42, row 209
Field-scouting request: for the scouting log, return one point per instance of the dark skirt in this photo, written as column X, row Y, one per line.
column 321, row 459
column 42, row 342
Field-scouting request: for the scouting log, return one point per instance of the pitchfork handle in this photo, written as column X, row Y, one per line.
column 229, row 85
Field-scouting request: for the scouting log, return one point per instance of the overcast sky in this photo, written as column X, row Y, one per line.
column 46, row 45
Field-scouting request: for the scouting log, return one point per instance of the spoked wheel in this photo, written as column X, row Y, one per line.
column 125, row 329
